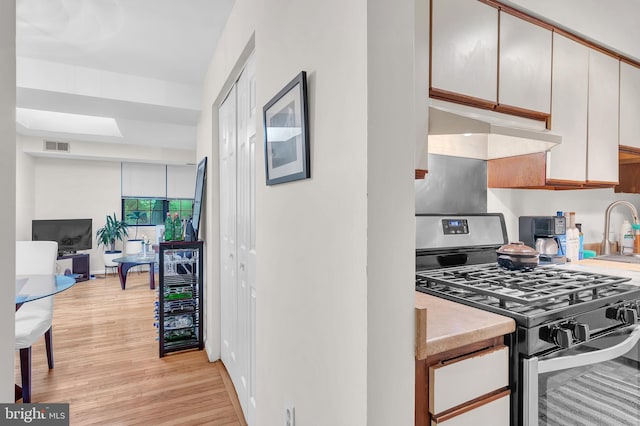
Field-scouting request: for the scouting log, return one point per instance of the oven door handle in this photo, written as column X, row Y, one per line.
column 595, row 357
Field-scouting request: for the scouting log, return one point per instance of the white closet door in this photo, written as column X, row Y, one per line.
column 228, row 265
column 249, row 239
column 238, row 253
column 243, row 236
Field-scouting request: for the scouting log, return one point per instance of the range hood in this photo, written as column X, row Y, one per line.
column 461, row 131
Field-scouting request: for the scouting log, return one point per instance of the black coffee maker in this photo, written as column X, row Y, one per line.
column 545, row 234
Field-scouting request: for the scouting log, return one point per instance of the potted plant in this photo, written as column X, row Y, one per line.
column 114, row 230
column 137, row 216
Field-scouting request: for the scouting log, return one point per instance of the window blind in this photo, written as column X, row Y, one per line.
column 144, row 180
column 181, row 181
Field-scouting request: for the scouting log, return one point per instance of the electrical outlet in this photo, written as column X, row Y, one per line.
column 289, row 415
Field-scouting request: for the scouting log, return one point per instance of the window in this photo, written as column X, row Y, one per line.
column 153, row 211
column 184, row 208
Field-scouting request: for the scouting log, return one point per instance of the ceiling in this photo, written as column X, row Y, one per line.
column 140, row 62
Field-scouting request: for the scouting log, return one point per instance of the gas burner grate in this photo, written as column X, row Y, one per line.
column 543, row 284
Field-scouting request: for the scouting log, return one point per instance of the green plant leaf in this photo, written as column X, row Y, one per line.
column 113, row 230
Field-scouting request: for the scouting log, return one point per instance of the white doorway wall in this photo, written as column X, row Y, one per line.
column 237, row 144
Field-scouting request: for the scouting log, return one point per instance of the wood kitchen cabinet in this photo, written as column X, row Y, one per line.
column 629, row 154
column 471, row 39
column 584, row 111
column 570, row 88
column 602, row 124
column 464, row 49
column 462, row 364
column 470, row 389
column 629, row 105
column 525, row 64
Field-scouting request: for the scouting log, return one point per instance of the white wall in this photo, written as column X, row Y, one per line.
column 589, row 206
column 75, row 189
column 391, row 86
column 8, row 191
column 312, row 347
column 90, row 151
column 333, row 338
column 25, row 194
column 69, row 189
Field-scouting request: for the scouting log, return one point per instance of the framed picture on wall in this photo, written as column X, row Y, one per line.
column 286, row 139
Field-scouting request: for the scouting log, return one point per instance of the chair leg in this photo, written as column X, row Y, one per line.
column 49, row 346
column 25, row 374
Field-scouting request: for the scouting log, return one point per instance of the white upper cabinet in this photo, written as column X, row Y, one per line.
column 464, row 49
column 525, row 64
column 602, row 133
column 570, row 83
column 629, row 105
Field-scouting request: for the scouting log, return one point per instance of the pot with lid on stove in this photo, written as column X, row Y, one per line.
column 517, row 256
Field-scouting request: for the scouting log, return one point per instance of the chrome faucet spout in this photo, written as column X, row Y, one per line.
column 606, row 244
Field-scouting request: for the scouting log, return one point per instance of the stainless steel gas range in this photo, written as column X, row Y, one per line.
column 574, row 355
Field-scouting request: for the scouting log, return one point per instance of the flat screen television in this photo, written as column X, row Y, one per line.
column 70, row 234
column 201, row 177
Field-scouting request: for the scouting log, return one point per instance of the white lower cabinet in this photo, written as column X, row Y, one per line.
column 494, row 413
column 471, row 389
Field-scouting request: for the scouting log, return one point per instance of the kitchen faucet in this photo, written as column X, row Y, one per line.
column 606, row 244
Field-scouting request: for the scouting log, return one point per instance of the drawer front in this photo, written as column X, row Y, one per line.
column 494, row 413
column 463, row 379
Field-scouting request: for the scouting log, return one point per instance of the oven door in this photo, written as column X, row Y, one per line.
column 595, row 383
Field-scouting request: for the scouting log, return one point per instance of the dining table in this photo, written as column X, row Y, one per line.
column 34, row 287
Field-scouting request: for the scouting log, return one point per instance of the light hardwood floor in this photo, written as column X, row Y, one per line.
column 108, row 369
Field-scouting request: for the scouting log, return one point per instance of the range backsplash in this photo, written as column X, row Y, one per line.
column 453, row 185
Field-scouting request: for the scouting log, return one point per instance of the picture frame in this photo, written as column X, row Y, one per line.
column 286, row 133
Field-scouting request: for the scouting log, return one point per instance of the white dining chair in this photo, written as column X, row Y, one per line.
column 35, row 318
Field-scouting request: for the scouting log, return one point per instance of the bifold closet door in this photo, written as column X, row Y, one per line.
column 237, row 117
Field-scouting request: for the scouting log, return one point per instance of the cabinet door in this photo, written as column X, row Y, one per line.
column 494, row 413
column 465, row 379
column 569, row 88
column 525, row 64
column 464, row 48
column 629, row 105
column 602, row 133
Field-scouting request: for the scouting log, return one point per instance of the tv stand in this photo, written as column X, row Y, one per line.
column 79, row 265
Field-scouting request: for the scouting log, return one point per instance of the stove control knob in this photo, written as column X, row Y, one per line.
column 563, row 337
column 580, row 331
column 560, row 336
column 626, row 315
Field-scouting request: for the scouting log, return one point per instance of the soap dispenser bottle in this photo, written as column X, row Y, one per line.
column 573, row 239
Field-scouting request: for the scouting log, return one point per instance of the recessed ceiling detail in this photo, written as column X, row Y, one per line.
column 139, row 63
column 61, row 122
